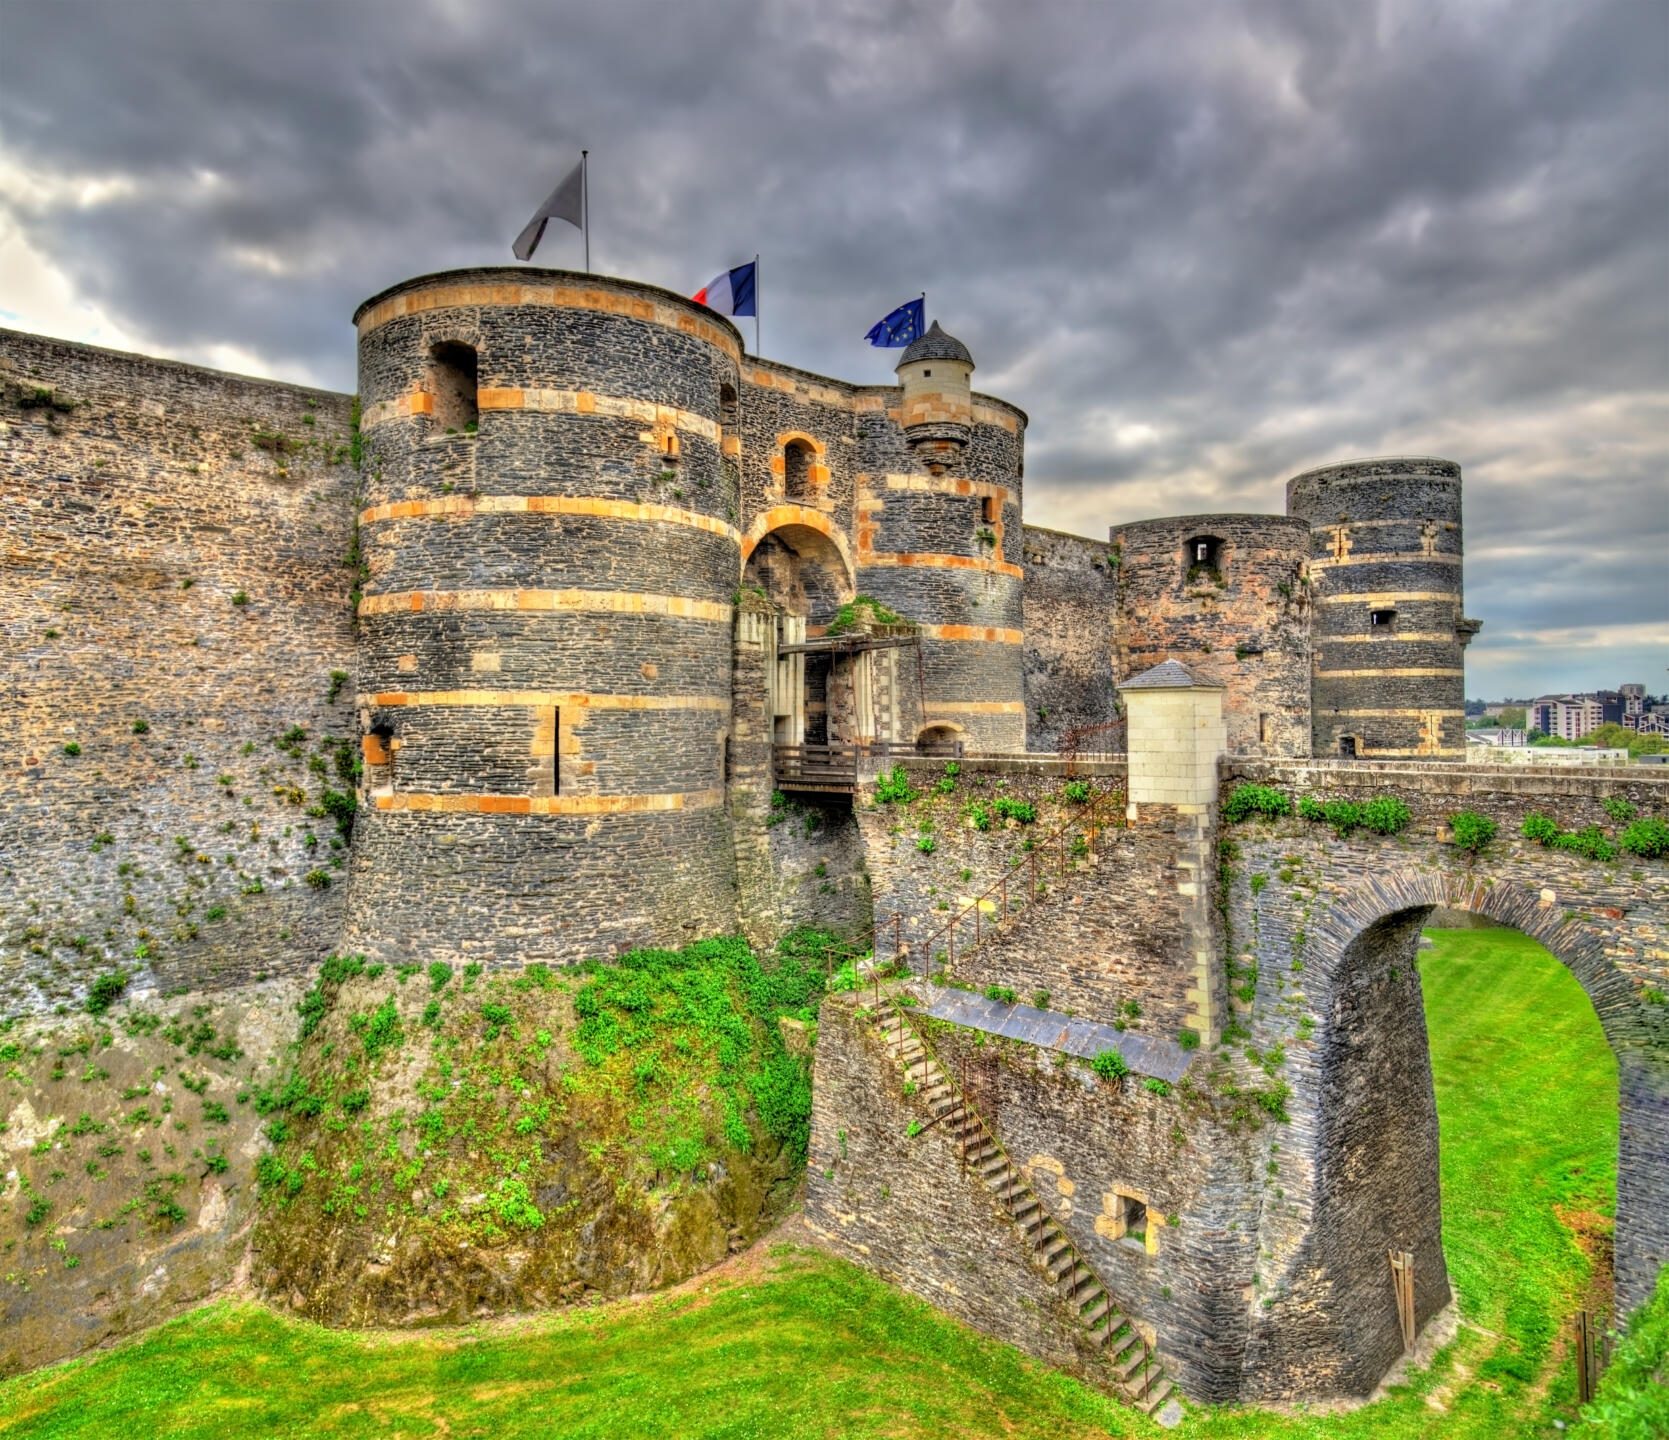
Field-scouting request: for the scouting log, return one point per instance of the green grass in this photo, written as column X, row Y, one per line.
column 809, row 1346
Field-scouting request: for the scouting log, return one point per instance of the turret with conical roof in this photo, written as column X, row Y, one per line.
column 936, row 372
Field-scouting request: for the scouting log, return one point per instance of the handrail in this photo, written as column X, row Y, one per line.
column 1080, row 822
column 990, row 1132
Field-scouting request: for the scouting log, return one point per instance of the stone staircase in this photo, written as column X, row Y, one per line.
column 1050, row 1250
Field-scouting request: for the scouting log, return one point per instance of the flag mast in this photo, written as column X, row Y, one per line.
column 756, row 350
column 585, row 204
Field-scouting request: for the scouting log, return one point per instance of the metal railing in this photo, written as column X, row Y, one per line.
column 1007, row 894
column 839, row 765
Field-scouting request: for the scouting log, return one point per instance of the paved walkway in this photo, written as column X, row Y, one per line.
column 1145, row 1054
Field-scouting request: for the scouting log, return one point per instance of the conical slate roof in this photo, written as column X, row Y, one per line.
column 1168, row 675
column 936, row 345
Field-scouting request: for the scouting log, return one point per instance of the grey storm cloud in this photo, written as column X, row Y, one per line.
column 1204, row 245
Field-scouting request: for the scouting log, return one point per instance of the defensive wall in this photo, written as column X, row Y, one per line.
column 1273, row 1170
column 179, row 636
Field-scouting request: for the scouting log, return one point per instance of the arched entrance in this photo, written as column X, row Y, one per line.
column 942, row 738
column 1359, row 1170
column 802, row 569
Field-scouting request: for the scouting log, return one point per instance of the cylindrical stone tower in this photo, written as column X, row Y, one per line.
column 1227, row 595
column 939, row 541
column 1389, row 631
column 545, row 634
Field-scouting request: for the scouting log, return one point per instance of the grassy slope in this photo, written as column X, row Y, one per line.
column 811, row 1347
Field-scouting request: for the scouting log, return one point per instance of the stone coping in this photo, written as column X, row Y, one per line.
column 1050, row 1030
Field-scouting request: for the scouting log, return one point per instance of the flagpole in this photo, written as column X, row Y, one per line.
column 585, row 204
column 756, row 350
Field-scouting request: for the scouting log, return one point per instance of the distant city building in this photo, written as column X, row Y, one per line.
column 1634, row 700
column 1497, row 737
column 1570, row 717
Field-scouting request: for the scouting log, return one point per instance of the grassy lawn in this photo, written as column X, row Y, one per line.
column 807, row 1346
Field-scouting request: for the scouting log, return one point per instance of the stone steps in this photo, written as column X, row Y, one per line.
column 1138, row 1372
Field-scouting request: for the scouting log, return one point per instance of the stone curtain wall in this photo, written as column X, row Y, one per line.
column 177, row 564
column 1387, row 537
column 1070, row 604
column 1331, row 927
column 900, row 1206
column 545, row 667
column 1243, row 623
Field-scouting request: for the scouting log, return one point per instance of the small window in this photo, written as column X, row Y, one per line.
column 452, row 384
column 1382, row 619
column 1133, row 1219
column 796, row 470
column 1264, row 729
column 1203, row 559
column 724, row 761
column 1347, row 747
column 991, row 510
column 728, row 408
column 926, row 374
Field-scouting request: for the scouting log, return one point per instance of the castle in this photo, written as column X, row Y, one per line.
column 625, row 600
column 608, row 554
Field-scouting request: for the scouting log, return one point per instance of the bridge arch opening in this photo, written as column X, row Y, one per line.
column 1367, row 1175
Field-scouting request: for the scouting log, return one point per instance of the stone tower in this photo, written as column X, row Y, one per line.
column 545, row 634
column 1388, row 632
column 939, row 541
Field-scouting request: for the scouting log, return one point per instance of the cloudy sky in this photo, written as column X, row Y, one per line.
column 1205, row 245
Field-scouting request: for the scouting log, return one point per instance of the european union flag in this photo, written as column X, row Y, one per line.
column 903, row 326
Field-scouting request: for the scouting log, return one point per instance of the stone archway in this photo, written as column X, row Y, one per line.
column 801, row 565
column 1361, row 1174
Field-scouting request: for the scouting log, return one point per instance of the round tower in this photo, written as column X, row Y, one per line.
column 545, row 632
column 939, row 542
column 1389, row 631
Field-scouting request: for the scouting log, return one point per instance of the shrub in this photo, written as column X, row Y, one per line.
column 926, row 844
column 439, row 973
column 1021, row 811
column 1077, row 792
column 1001, row 993
column 72, row 748
column 338, row 678
column 378, row 1029
column 1188, row 1038
column 1156, row 1085
column 1619, row 809
column 141, row 727
column 241, row 598
column 1632, row 1402
column 1309, row 808
column 1539, row 828
column 103, row 992
column 979, row 813
column 893, row 787
column 498, row 1018
column 1040, row 998
column 1590, row 841
column 1385, row 815
column 1262, row 801
column 1110, row 1065
column 1649, row 838
column 318, row 879
column 845, row 979
column 1471, row 830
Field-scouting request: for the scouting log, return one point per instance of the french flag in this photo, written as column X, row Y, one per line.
column 730, row 292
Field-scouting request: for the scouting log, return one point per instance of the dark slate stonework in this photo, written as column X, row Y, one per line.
column 1386, row 537
column 1070, row 614
column 1242, row 622
column 138, row 499
column 639, row 850
column 1336, row 942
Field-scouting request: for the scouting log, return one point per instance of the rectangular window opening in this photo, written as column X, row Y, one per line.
column 1381, row 619
column 991, row 510
column 556, row 750
column 1134, row 1215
